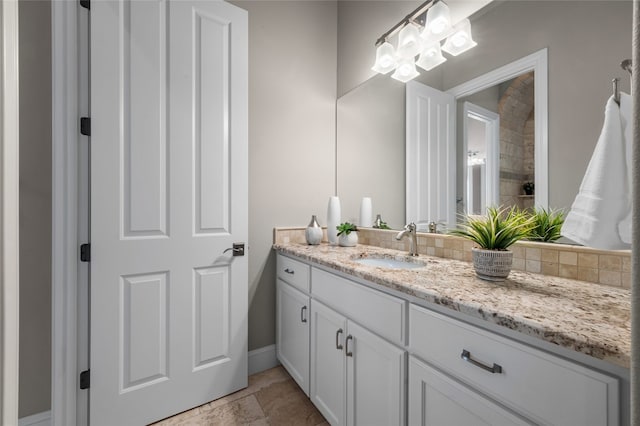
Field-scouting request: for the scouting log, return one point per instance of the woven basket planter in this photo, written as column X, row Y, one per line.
column 492, row 265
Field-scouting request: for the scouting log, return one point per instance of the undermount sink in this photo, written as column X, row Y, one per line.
column 390, row 263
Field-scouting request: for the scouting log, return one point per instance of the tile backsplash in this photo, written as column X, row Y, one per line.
column 605, row 267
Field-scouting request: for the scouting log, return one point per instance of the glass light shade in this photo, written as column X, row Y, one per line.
column 438, row 21
column 430, row 57
column 385, row 58
column 460, row 39
column 405, row 71
column 409, row 41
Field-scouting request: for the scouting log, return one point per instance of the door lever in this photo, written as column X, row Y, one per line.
column 237, row 249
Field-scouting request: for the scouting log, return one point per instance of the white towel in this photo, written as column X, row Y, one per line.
column 600, row 215
column 626, row 117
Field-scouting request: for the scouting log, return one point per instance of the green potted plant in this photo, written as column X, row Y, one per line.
column 347, row 234
column 495, row 233
column 547, row 225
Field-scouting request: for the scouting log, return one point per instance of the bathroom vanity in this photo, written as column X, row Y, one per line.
column 434, row 345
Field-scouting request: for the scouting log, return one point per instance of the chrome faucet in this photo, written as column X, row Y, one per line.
column 410, row 230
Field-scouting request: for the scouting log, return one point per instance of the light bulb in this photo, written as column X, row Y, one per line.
column 405, row 71
column 438, row 21
column 460, row 39
column 385, row 58
column 431, row 57
column 409, row 41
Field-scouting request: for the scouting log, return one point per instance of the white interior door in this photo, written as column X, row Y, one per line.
column 487, row 144
column 168, row 196
column 431, row 156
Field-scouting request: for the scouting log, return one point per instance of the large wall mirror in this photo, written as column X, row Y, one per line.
column 585, row 42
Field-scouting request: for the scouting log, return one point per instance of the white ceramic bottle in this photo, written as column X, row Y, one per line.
column 366, row 213
column 333, row 219
column 313, row 233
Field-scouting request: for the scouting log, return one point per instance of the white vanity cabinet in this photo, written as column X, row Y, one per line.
column 351, row 355
column 357, row 378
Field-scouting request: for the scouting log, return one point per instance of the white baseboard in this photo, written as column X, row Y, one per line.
column 262, row 359
column 40, row 419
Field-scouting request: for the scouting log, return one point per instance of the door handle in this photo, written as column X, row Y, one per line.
column 237, row 249
column 303, row 317
column 347, row 352
column 338, row 345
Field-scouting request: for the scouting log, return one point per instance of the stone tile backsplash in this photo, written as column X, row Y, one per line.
column 612, row 268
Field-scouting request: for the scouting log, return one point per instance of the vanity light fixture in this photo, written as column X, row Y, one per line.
column 435, row 16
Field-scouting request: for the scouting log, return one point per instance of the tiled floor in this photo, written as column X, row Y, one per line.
column 272, row 398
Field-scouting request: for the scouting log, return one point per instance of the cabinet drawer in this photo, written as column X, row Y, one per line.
column 294, row 272
column 542, row 387
column 379, row 312
column 436, row 399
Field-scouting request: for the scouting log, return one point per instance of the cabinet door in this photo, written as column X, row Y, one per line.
column 292, row 333
column 328, row 384
column 436, row 399
column 375, row 379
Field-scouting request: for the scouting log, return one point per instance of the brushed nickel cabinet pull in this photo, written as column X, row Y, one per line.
column 338, row 345
column 466, row 355
column 303, row 317
column 346, row 343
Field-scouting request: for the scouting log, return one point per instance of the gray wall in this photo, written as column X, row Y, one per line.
column 586, row 41
column 35, row 206
column 292, row 93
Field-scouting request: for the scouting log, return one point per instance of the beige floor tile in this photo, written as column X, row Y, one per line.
column 272, row 398
column 284, row 404
column 244, row 411
column 256, row 382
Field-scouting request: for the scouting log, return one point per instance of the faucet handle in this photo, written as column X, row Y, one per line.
column 411, row 227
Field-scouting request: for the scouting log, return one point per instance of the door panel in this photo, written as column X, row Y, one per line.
column 145, row 340
column 292, row 332
column 431, row 156
column 143, row 66
column 210, row 93
column 328, row 364
column 375, row 380
column 169, row 195
column 211, row 316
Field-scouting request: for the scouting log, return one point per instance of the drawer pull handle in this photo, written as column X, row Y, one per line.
column 466, row 355
column 338, row 345
column 303, row 317
column 290, row 271
column 346, row 343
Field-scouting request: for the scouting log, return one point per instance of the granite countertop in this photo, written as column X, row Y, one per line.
column 588, row 318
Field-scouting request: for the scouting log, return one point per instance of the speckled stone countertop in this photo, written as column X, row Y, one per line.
column 588, row 318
